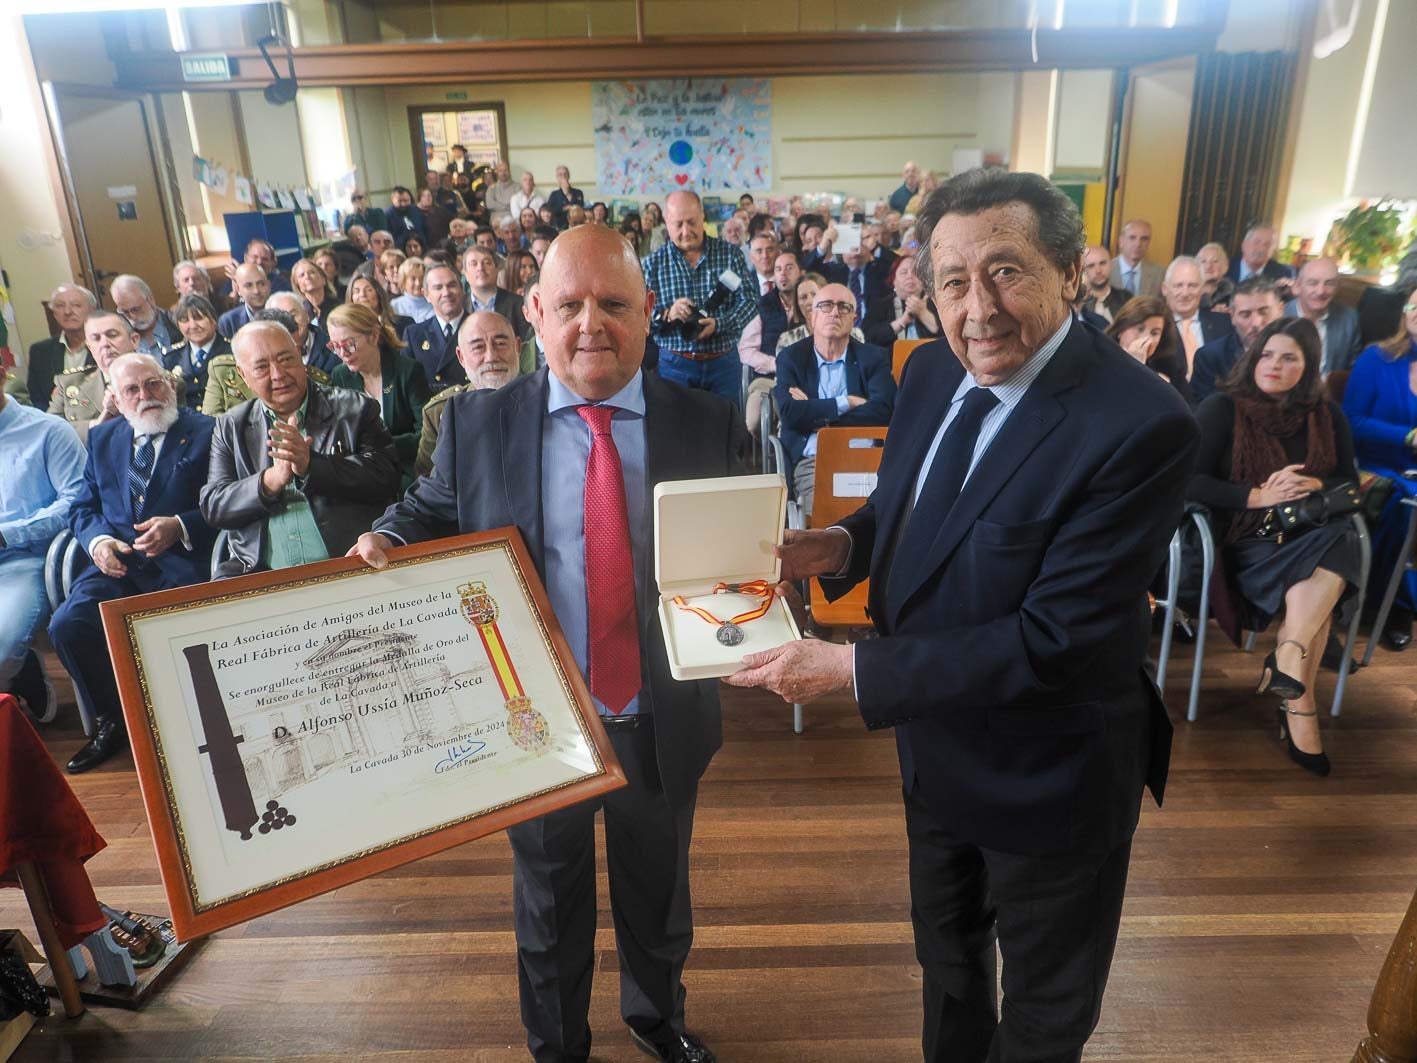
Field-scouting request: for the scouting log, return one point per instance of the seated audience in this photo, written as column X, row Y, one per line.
column 1130, row 270
column 509, row 234
column 1270, row 437
column 82, row 396
column 488, row 352
column 528, row 223
column 497, row 192
column 829, row 380
column 312, row 283
column 1381, row 403
column 370, row 219
column 540, row 243
column 575, row 215
column 253, row 288
column 196, row 319
column 366, row 290
column 1096, row 294
column 798, row 325
column 404, row 218
column 188, row 278
column 562, row 196
column 433, row 342
column 359, row 237
column 137, row 519
column 599, row 214
column 1144, row 329
column 546, row 218
column 533, row 354
column 1214, row 264
column 732, row 232
column 40, row 477
column 1181, row 288
column 373, row 366
column 225, row 386
column 134, row 300
column 318, row 359
column 1316, row 286
column 485, row 237
column 928, row 183
column 411, row 303
column 298, row 471
column 758, row 347
column 67, row 352
column 762, row 253
column 413, row 247
column 1255, row 304
column 483, row 292
column 1257, row 257
column 906, row 314
column 261, row 253
column 518, row 268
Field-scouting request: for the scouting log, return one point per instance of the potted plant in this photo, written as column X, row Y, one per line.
column 1366, row 238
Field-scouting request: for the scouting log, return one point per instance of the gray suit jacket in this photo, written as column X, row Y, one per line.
column 487, row 474
column 353, row 475
column 1342, row 341
column 1150, row 277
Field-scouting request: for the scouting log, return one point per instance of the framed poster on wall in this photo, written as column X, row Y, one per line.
column 481, row 128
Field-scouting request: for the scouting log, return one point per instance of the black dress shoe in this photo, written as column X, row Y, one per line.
column 32, row 686
column 686, row 1048
column 1397, row 631
column 108, row 738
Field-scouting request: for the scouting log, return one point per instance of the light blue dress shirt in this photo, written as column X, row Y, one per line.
column 831, row 384
column 41, row 474
column 565, row 450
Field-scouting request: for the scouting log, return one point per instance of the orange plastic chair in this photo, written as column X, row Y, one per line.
column 900, row 353
column 855, row 452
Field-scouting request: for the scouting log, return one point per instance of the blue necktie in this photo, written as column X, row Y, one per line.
column 858, row 289
column 138, row 474
column 943, row 483
column 199, row 359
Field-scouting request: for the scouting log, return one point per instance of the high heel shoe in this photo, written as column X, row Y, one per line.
column 1317, row 763
column 1276, row 682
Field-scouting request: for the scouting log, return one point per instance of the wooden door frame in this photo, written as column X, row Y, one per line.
column 415, row 130
column 51, row 92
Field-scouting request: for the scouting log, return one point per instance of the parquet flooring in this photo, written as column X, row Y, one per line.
column 1261, row 905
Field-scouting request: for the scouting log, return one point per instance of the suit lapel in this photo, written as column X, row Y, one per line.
column 253, row 438
column 521, row 431
column 1037, row 414
column 174, row 443
column 670, row 454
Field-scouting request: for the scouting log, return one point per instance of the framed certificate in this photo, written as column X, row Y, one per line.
column 296, row 731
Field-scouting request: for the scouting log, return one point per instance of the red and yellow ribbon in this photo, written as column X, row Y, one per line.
column 758, row 588
column 501, row 660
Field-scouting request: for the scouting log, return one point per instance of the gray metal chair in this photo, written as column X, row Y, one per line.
column 62, row 563
column 1401, row 565
column 1200, row 517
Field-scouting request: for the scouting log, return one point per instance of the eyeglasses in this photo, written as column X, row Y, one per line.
column 338, row 347
column 839, row 308
column 153, row 386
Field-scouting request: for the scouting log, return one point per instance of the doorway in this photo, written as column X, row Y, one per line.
column 479, row 127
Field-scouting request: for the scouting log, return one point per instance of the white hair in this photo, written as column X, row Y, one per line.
column 1181, row 260
column 93, row 299
column 132, row 280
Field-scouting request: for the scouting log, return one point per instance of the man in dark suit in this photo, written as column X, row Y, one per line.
column 433, row 342
column 1257, row 257
column 298, row 471
column 1181, row 287
column 70, row 305
column 1316, row 286
column 137, row 519
column 1027, row 493
column 1254, row 305
column 829, row 380
column 196, row 319
column 479, row 266
column 1096, row 294
column 571, row 455
column 253, row 288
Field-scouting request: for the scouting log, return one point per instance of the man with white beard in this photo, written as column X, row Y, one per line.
column 137, row 518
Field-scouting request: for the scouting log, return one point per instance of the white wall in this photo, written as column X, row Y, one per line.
column 1387, row 160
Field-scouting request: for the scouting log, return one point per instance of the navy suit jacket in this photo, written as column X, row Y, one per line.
column 775, row 322
column 1214, row 325
column 1342, row 343
column 105, row 506
column 1214, row 360
column 487, row 474
column 868, row 374
column 1011, row 653
column 1275, row 271
column 438, row 356
column 229, row 322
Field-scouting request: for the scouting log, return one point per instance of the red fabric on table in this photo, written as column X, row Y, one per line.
column 42, row 821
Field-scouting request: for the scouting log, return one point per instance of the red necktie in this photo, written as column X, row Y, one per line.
column 609, row 570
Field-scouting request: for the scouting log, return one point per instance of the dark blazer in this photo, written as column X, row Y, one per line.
column 1011, row 651
column 229, row 322
column 353, row 475
column 1341, row 334
column 1213, row 363
column 1275, row 271
column 46, row 361
column 405, row 391
column 1214, row 325
column 487, row 474
column 178, row 359
column 879, row 315
column 868, row 374
column 105, row 505
column 438, row 356
column 509, row 305
column 775, row 322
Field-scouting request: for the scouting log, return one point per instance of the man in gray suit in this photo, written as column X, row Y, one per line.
column 298, row 471
column 571, row 454
column 1337, row 324
column 1130, row 270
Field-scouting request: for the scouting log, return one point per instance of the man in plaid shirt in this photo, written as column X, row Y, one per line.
column 682, row 274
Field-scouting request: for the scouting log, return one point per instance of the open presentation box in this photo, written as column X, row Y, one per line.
column 711, row 532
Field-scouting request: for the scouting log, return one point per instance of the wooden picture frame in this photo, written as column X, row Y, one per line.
column 299, row 730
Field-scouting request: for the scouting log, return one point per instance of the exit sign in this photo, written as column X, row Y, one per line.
column 457, row 95
column 211, row 66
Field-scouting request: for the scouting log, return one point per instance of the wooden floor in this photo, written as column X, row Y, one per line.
column 1262, row 902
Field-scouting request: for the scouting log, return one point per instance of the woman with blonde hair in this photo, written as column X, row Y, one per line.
column 412, row 302
column 371, row 364
column 312, row 284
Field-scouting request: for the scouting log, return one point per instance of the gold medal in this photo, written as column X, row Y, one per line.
column 425, row 345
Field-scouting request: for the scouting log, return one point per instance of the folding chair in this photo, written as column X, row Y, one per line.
column 900, row 354
column 62, row 563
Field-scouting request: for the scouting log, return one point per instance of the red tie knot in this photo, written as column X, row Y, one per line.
column 598, row 417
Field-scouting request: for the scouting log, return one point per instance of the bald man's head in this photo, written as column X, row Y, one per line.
column 252, row 286
column 684, row 220
column 592, row 311
column 833, row 314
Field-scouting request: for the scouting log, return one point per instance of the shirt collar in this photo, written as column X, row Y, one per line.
column 271, row 416
column 1011, row 392
column 630, row 398
column 830, row 361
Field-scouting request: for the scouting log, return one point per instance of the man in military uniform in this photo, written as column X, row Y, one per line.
column 226, row 389
column 81, row 396
column 488, row 351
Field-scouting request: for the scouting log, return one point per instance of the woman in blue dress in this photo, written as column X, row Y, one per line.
column 1381, row 404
